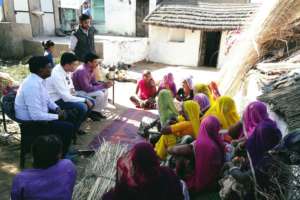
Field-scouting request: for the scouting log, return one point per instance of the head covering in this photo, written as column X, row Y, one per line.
column 203, row 88
column 189, row 81
column 209, row 155
column 146, row 72
column 166, row 107
column 265, row 136
column 168, row 80
column 225, row 110
column 214, row 90
column 203, row 101
column 140, row 176
column 253, row 115
column 192, row 110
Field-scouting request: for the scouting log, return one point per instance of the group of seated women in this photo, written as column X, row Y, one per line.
column 196, row 141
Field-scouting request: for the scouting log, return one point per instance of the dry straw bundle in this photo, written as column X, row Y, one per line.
column 274, row 21
column 100, row 172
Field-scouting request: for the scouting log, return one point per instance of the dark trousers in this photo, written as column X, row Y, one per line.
column 33, row 129
column 81, row 108
column 64, row 130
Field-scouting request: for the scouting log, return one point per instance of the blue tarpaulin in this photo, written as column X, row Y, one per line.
column 1, row 2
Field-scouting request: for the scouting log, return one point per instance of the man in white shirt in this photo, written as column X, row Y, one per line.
column 61, row 90
column 33, row 103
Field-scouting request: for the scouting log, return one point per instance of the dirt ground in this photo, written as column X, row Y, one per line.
column 9, row 153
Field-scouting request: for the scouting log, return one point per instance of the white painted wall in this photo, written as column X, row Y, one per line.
column 173, row 53
column 222, row 52
column 47, row 6
column 48, row 17
column 120, row 16
column 22, row 18
column 1, row 14
column 152, row 5
column 48, row 24
column 128, row 51
column 21, row 5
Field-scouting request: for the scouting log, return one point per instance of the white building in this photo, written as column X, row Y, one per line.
column 194, row 33
column 114, row 17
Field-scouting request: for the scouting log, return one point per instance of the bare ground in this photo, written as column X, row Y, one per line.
column 9, row 153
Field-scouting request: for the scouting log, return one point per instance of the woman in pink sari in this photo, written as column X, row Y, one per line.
column 168, row 83
column 255, row 113
column 208, row 152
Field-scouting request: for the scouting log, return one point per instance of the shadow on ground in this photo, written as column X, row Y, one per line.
column 9, row 154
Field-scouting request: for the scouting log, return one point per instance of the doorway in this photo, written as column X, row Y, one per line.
column 142, row 10
column 209, row 50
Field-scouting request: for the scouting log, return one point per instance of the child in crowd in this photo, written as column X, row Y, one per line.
column 186, row 92
column 48, row 51
column 145, row 91
column 168, row 83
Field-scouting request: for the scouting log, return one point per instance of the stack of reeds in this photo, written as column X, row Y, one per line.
column 275, row 20
column 100, row 172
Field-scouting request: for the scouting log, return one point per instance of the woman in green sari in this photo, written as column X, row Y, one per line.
column 167, row 113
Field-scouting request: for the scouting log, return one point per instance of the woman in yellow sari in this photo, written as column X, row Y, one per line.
column 225, row 110
column 191, row 112
column 203, row 88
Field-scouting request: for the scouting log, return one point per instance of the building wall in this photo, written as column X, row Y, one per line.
column 128, row 51
column 34, row 47
column 120, row 17
column 1, row 14
column 11, row 39
column 222, row 52
column 174, row 53
column 152, row 5
column 39, row 13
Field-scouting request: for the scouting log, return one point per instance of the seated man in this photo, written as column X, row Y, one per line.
column 50, row 178
column 61, row 90
column 86, row 85
column 33, row 103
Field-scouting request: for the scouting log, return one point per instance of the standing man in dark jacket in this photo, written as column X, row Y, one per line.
column 82, row 40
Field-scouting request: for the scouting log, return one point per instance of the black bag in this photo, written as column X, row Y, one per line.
column 146, row 124
column 8, row 105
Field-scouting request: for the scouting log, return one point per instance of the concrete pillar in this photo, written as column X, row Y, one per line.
column 36, row 21
column 56, row 13
column 9, row 11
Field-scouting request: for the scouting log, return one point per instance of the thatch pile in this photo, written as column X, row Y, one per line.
column 100, row 172
column 276, row 20
column 285, row 99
